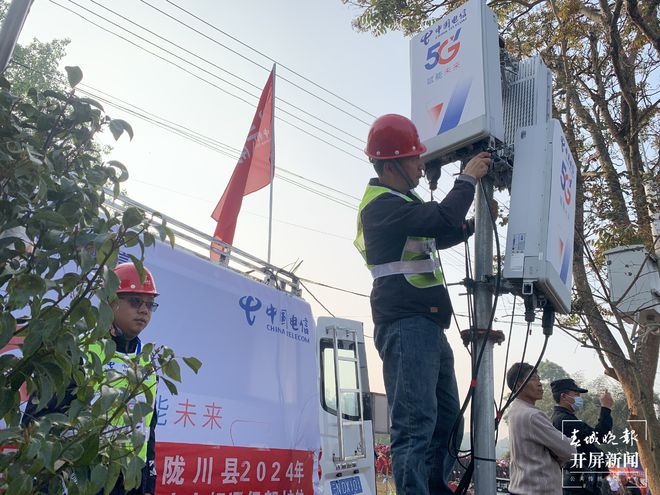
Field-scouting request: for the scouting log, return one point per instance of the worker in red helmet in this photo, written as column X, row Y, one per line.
column 398, row 235
column 132, row 311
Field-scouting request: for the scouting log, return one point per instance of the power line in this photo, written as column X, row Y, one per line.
column 210, row 63
column 316, row 299
column 207, row 71
column 205, row 140
column 315, row 136
column 333, row 287
column 233, row 153
column 303, row 227
column 263, row 55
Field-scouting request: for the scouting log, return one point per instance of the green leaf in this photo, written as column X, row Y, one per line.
column 98, row 477
column 139, row 266
column 110, row 280
column 47, row 455
column 193, row 363
column 90, row 450
column 170, row 386
column 74, row 75
column 122, row 169
column 113, row 475
column 72, row 452
column 9, row 399
column 49, row 217
column 7, row 328
column 80, row 310
column 132, row 217
column 105, row 316
column 173, row 370
column 20, row 484
column 118, row 126
column 104, row 251
column 133, row 473
column 92, row 102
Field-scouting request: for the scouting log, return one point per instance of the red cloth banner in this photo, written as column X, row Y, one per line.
column 194, row 469
column 253, row 170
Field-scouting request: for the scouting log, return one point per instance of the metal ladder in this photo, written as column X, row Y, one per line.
column 351, row 335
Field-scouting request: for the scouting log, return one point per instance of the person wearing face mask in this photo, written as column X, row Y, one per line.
column 580, row 480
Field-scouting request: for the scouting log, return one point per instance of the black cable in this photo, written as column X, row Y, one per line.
column 506, row 358
column 216, row 86
column 522, row 386
column 263, row 55
column 211, row 63
column 475, row 369
column 465, row 481
column 316, row 299
column 206, row 141
column 444, row 279
column 207, row 71
column 500, row 411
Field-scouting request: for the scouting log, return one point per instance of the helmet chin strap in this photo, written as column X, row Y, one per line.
column 403, row 174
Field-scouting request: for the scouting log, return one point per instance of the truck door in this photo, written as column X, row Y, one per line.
column 346, row 464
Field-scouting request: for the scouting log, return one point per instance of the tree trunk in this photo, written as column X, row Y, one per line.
column 636, row 379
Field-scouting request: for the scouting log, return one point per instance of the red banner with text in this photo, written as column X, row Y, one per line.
column 194, row 469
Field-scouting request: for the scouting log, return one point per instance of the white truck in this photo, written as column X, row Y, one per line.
column 278, row 406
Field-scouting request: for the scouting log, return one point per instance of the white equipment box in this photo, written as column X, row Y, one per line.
column 539, row 247
column 456, row 80
column 634, row 279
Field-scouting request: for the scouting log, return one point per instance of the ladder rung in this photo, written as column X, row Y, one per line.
column 349, row 391
column 348, row 422
column 355, row 457
column 349, row 359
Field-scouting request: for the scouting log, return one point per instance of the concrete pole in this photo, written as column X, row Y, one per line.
column 484, row 410
column 11, row 28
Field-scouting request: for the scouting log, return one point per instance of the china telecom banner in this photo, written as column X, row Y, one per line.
column 248, row 422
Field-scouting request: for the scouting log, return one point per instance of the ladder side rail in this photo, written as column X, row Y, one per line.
column 340, row 411
column 359, row 394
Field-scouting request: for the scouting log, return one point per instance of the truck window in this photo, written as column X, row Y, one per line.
column 347, row 379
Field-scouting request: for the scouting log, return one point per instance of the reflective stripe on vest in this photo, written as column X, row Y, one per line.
column 419, row 261
column 119, row 363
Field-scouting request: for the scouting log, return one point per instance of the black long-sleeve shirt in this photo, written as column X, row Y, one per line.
column 387, row 222
column 148, row 484
column 566, row 422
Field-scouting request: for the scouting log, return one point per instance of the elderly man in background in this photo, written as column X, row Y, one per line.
column 538, row 450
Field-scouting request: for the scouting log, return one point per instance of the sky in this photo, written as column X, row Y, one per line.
column 184, row 180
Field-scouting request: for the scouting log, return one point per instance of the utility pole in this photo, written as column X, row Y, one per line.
column 484, row 411
column 11, row 29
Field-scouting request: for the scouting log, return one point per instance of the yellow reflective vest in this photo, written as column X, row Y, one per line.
column 119, row 363
column 419, row 262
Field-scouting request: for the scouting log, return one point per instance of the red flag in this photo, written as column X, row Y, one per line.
column 253, row 170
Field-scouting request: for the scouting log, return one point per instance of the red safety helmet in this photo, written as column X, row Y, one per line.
column 129, row 280
column 393, row 136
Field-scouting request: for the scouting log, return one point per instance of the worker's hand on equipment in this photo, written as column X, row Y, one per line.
column 478, row 166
